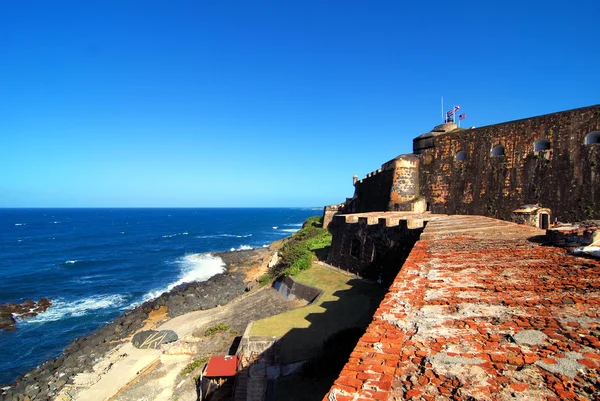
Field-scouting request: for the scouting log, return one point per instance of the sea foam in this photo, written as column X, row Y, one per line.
column 241, row 248
column 61, row 309
column 194, row 267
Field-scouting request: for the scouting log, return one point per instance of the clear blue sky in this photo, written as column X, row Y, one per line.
column 251, row 103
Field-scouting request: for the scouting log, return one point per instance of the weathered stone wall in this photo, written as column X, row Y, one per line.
column 373, row 192
column 565, row 178
column 362, row 242
column 328, row 213
column 405, row 185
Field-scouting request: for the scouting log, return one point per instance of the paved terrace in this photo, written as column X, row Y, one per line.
column 481, row 312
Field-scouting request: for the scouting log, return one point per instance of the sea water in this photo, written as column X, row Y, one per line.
column 93, row 264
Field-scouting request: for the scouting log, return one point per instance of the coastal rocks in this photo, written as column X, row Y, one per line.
column 46, row 381
column 189, row 297
column 153, row 339
column 7, row 321
column 24, row 310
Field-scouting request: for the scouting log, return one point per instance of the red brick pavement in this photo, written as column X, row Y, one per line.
column 479, row 311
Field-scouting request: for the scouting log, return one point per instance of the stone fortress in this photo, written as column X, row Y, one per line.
column 477, row 234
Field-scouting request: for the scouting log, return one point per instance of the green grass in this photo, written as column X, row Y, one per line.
column 190, row 367
column 219, row 328
column 300, row 250
column 346, row 302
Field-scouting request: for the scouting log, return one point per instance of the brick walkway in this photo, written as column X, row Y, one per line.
column 479, row 311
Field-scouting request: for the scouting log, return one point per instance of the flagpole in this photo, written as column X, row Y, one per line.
column 443, row 119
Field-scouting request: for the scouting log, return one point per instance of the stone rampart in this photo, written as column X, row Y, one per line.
column 551, row 160
column 373, row 241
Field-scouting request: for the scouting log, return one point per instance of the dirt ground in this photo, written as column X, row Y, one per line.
column 165, row 380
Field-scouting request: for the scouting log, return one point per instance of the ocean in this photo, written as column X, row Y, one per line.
column 93, row 264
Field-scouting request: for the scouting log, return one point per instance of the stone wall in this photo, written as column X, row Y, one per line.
column 374, row 242
column 328, row 213
column 291, row 289
column 372, row 193
column 564, row 178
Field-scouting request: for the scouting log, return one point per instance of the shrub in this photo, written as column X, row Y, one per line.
column 298, row 253
column 219, row 328
column 190, row 367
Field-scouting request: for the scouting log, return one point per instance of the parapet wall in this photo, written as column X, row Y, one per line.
column 501, row 169
column 394, row 187
column 373, row 240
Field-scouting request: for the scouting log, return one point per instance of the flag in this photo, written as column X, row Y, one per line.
column 450, row 113
column 462, row 116
column 456, row 108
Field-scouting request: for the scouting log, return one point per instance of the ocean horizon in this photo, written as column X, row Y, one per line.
column 96, row 263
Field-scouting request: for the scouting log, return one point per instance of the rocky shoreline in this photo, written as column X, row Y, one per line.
column 81, row 354
column 24, row 310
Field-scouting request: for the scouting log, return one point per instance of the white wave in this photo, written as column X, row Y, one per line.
column 71, row 261
column 241, row 248
column 290, row 230
column 174, row 235
column 265, row 246
column 55, row 222
column 275, row 227
column 20, row 224
column 20, row 240
column 61, row 309
column 194, row 267
column 293, row 225
column 224, row 236
column 122, row 232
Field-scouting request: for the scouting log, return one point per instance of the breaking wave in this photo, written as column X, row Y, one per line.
column 61, row 309
column 242, row 248
column 193, row 267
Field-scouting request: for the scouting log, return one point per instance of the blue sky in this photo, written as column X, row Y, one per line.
column 252, row 103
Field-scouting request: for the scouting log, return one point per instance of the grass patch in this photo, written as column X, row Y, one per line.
column 190, row 367
column 264, row 280
column 346, row 302
column 219, row 328
column 299, row 251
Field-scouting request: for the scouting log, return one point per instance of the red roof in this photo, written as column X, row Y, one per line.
column 221, row 366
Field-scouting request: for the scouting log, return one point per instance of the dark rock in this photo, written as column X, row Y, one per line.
column 6, row 320
column 153, row 339
column 29, row 304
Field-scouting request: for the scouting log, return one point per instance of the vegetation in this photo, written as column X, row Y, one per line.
column 264, row 279
column 219, row 328
column 346, row 302
column 299, row 252
column 193, row 365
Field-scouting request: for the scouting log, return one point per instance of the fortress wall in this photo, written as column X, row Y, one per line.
column 328, row 213
column 405, row 185
column 373, row 192
column 372, row 242
column 565, row 178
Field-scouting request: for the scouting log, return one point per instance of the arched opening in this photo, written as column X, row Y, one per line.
column 498, row 150
column 593, row 138
column 462, row 155
column 541, row 144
